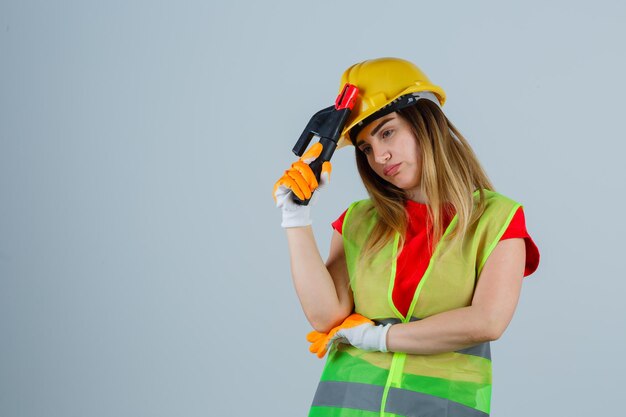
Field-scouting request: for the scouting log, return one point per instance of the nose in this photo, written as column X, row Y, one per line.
column 381, row 154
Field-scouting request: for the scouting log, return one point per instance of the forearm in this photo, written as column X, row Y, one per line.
column 444, row 332
column 312, row 281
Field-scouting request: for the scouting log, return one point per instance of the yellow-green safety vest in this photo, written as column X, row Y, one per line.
column 357, row 383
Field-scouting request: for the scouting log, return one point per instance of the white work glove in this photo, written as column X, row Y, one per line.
column 300, row 180
column 366, row 336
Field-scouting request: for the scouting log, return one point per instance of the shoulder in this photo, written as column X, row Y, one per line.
column 366, row 202
column 496, row 213
column 360, row 206
column 497, row 204
column 499, row 212
column 495, row 199
column 359, row 218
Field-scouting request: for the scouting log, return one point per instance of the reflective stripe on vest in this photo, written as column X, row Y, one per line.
column 365, row 397
column 454, row 384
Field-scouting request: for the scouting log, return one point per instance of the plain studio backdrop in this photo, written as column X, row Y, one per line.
column 143, row 269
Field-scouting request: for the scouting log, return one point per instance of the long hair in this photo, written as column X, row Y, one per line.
column 451, row 173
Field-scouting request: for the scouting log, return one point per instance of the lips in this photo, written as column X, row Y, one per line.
column 391, row 170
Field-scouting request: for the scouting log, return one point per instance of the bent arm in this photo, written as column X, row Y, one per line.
column 493, row 305
column 323, row 289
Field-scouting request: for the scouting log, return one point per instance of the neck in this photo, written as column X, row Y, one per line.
column 417, row 195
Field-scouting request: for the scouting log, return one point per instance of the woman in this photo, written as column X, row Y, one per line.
column 423, row 274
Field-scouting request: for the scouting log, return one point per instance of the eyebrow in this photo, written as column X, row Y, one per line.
column 375, row 130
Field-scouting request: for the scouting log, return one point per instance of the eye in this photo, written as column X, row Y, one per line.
column 366, row 149
column 387, row 133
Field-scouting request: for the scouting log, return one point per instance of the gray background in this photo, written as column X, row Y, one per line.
column 143, row 269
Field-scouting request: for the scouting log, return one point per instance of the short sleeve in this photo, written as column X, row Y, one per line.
column 338, row 224
column 517, row 229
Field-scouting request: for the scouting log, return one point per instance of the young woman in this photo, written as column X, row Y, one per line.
column 423, row 274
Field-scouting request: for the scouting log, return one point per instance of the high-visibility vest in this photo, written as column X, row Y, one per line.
column 452, row 384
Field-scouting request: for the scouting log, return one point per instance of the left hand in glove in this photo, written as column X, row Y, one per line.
column 357, row 330
column 366, row 336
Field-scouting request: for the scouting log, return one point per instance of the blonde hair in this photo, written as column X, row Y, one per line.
column 451, row 173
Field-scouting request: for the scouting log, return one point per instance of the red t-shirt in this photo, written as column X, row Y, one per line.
column 415, row 255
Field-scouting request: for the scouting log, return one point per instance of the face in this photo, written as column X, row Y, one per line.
column 392, row 151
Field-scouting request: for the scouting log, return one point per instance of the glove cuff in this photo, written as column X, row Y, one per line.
column 383, row 338
column 297, row 218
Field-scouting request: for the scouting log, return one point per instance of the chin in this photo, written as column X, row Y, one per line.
column 401, row 183
column 402, row 186
column 405, row 185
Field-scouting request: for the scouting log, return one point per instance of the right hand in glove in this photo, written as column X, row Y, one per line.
column 320, row 342
column 300, row 180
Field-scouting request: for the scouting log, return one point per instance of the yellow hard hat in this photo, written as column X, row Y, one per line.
column 384, row 83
